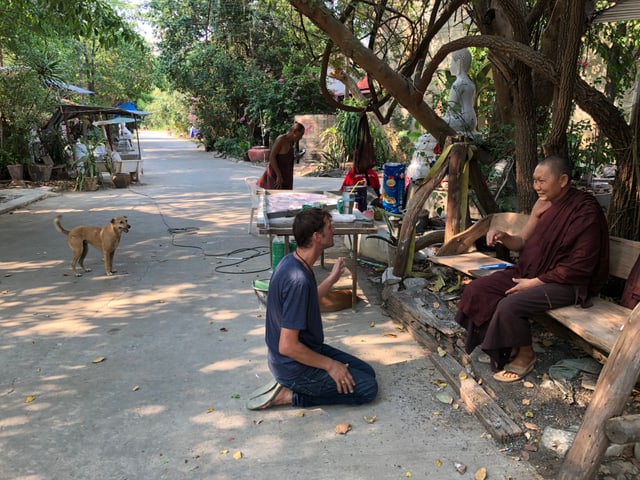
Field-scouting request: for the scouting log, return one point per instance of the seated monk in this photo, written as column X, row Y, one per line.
column 564, row 260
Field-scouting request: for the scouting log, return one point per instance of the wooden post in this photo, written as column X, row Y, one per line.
column 457, row 161
column 616, row 380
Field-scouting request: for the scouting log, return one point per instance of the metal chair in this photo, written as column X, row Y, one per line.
column 254, row 196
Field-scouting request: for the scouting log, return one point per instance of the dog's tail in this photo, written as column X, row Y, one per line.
column 58, row 225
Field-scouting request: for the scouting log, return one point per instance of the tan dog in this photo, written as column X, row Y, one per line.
column 105, row 239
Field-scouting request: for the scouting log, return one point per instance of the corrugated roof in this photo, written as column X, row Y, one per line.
column 623, row 10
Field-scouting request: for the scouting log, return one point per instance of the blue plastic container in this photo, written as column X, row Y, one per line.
column 393, row 186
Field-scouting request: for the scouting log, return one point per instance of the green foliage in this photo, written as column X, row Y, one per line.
column 341, row 140
column 24, row 102
column 169, row 110
column 242, row 64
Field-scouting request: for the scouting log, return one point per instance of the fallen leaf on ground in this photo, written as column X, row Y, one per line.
column 530, row 448
column 211, row 409
column 237, row 455
column 531, row 426
column 441, row 352
column 462, row 375
column 99, row 360
column 372, row 324
column 343, row 428
column 547, row 343
column 235, row 395
column 408, row 474
column 481, row 474
column 391, row 335
column 528, row 414
column 400, row 328
column 438, row 462
column 224, row 329
column 224, row 452
column 29, row 399
column 301, row 414
column 528, row 384
column 444, row 397
column 440, row 383
column 136, row 388
column 370, row 419
column 526, row 401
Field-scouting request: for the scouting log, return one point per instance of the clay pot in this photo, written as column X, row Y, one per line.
column 258, row 154
column 16, row 172
column 121, row 180
column 90, row 184
column 40, row 173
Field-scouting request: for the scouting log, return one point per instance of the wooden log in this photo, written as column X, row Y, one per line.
column 623, row 430
column 612, row 391
column 456, row 190
column 477, row 401
column 414, row 209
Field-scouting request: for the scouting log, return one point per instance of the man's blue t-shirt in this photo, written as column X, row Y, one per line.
column 292, row 303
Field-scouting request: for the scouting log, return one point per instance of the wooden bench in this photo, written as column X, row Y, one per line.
column 599, row 326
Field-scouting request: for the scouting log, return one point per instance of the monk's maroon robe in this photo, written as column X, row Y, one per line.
column 568, row 247
column 285, row 164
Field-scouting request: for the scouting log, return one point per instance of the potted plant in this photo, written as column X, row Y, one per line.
column 87, row 171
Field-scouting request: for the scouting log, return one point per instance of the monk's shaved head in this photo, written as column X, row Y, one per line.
column 558, row 165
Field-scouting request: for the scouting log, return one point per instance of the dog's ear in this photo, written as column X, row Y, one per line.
column 113, row 221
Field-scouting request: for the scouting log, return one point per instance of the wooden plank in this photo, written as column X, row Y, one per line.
column 599, row 325
column 623, row 254
column 477, row 401
column 466, row 262
column 614, row 385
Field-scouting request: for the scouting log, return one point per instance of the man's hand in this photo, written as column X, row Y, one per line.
column 340, row 374
column 524, row 284
column 337, row 270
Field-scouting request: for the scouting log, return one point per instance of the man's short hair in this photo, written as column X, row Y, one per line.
column 306, row 223
column 559, row 165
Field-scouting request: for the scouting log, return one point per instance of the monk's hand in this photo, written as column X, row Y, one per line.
column 278, row 181
column 340, row 373
column 522, row 284
column 495, row 236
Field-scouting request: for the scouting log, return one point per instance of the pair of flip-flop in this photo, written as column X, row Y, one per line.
column 264, row 396
column 513, row 373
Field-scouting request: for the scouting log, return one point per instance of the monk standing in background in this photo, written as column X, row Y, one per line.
column 564, row 260
column 279, row 172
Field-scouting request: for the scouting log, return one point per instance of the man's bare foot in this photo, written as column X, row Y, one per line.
column 283, row 397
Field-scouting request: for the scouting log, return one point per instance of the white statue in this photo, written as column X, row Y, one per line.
column 424, row 157
column 461, row 115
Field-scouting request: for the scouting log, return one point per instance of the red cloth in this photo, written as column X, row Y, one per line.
column 352, row 178
column 285, row 164
column 569, row 246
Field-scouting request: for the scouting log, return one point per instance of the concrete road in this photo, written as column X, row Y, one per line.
column 145, row 374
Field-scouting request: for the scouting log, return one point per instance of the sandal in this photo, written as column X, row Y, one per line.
column 519, row 372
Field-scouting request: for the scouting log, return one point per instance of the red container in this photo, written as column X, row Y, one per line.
column 259, row 154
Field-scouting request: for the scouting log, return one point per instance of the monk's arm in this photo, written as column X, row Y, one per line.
column 273, row 157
